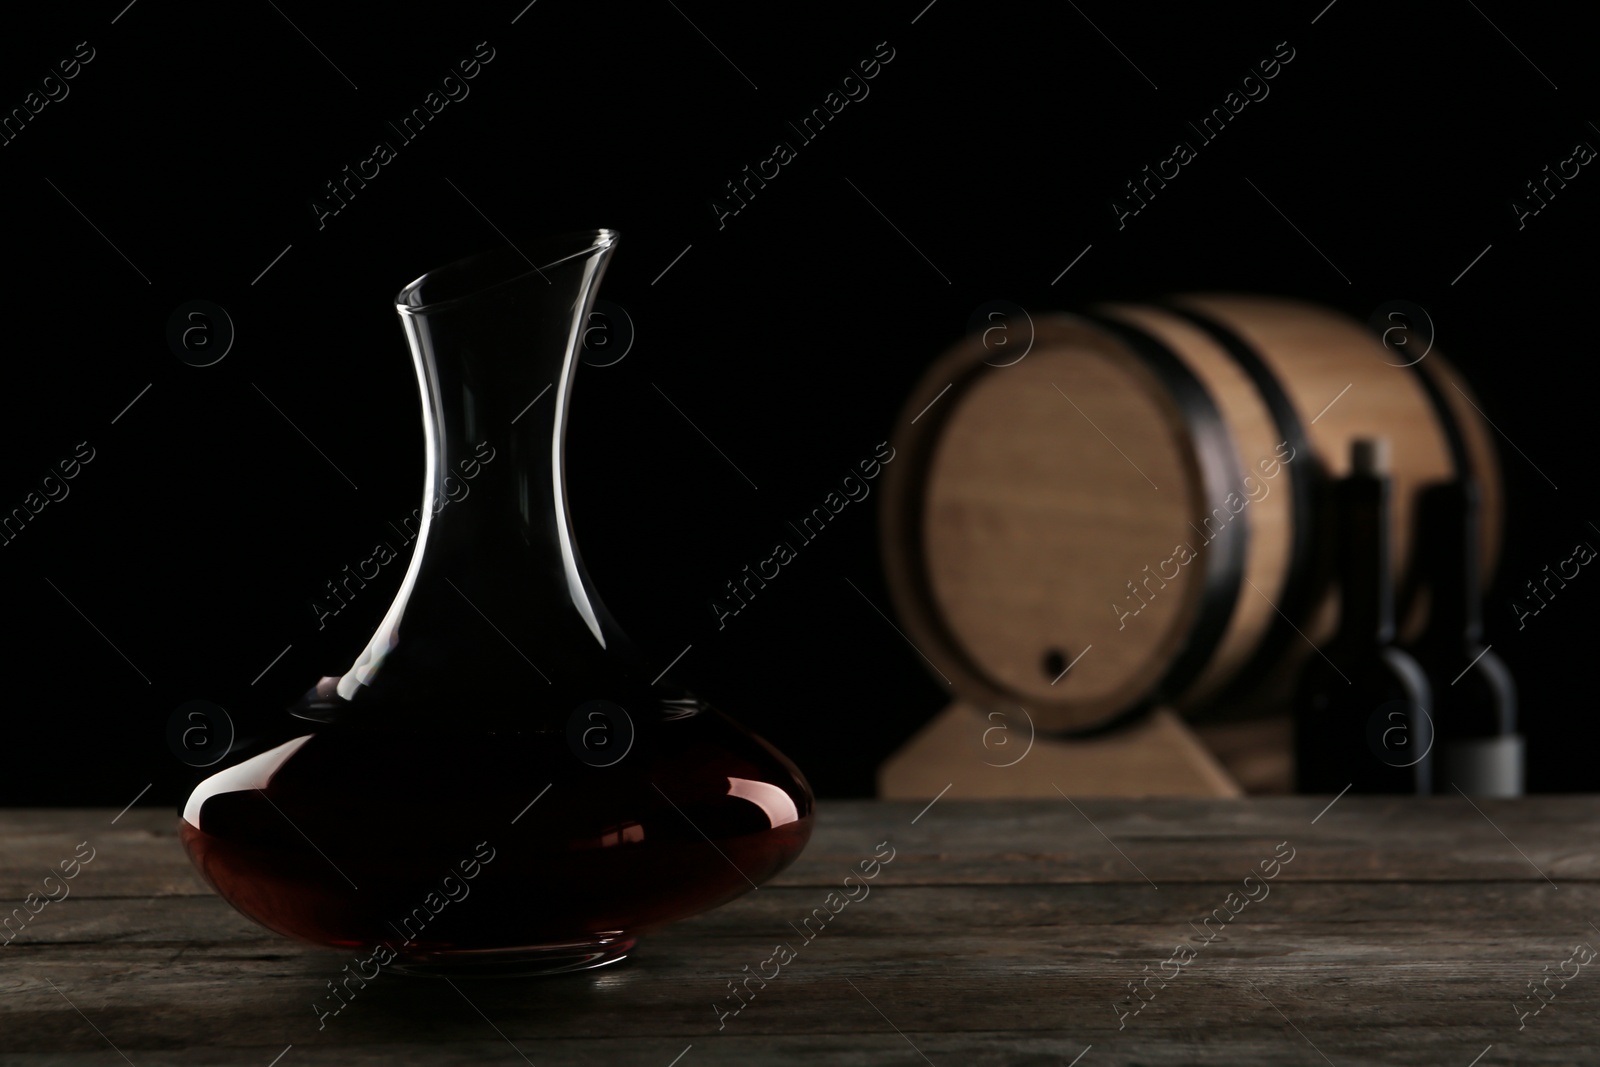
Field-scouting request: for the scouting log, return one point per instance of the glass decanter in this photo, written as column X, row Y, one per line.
column 497, row 785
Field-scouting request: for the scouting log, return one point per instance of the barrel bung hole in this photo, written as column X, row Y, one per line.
column 1055, row 661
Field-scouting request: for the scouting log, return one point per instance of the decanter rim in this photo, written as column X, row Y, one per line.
column 499, row 266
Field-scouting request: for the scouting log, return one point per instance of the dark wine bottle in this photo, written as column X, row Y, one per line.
column 1362, row 705
column 1475, row 698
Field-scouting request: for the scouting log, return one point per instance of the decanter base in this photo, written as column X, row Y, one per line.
column 523, row 962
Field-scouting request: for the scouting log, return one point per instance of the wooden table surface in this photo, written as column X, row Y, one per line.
column 1002, row 932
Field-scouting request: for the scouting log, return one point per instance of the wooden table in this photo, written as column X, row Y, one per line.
column 1002, row 932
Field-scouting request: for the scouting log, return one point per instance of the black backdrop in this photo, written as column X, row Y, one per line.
column 186, row 154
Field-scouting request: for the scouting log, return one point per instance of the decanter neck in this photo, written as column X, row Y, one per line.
column 496, row 596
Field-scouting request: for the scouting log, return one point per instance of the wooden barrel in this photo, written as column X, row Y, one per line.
column 1131, row 513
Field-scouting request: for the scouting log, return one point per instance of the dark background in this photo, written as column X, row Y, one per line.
column 994, row 140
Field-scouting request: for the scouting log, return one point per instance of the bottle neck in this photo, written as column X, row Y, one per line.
column 1366, row 610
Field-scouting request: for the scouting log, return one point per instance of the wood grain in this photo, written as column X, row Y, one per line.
column 1003, row 932
column 1043, row 500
